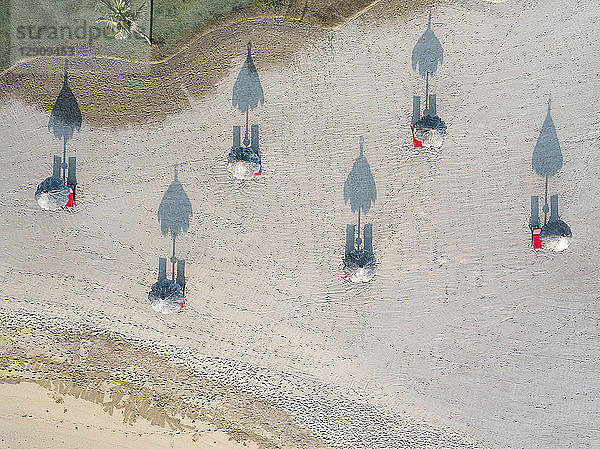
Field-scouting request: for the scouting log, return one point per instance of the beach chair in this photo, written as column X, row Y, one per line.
column 368, row 234
column 162, row 268
column 534, row 219
column 236, row 137
column 415, row 118
column 181, row 275
column 350, row 232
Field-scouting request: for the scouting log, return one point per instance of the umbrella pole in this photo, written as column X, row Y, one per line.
column 64, row 162
column 173, row 260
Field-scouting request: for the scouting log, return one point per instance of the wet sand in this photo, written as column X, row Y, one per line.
column 67, row 388
column 33, row 416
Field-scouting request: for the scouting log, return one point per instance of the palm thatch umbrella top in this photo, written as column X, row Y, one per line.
column 175, row 210
column 247, row 90
column 359, row 188
column 427, row 52
column 66, row 115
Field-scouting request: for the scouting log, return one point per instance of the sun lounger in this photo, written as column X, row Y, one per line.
column 536, row 238
column 56, row 167
column 416, row 115
column 71, row 181
column 534, row 219
column 431, row 110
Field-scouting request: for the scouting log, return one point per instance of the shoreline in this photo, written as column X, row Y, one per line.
column 101, row 368
column 175, row 394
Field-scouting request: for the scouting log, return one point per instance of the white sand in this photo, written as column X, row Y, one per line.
column 464, row 325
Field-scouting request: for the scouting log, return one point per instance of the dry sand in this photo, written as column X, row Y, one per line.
column 465, row 335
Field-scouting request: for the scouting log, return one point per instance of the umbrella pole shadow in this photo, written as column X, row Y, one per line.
column 427, row 127
column 243, row 160
column 546, row 161
column 360, row 191
column 174, row 213
column 65, row 118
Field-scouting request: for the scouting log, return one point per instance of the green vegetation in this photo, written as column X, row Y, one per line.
column 4, row 34
column 121, row 19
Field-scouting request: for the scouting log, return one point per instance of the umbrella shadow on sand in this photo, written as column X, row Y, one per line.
column 361, row 192
column 174, row 212
column 247, row 90
column 547, row 157
column 428, row 129
column 65, row 117
column 546, row 161
column 244, row 161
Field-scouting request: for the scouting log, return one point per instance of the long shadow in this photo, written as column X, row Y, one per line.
column 65, row 117
column 247, row 90
column 428, row 129
column 360, row 191
column 426, row 55
column 547, row 156
column 174, row 213
column 359, row 188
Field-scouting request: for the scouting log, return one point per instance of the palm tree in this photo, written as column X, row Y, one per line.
column 121, row 19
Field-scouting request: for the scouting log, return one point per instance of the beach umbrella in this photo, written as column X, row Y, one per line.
column 52, row 194
column 247, row 91
column 174, row 213
column 547, row 157
column 166, row 296
column 65, row 117
column 426, row 54
column 359, row 189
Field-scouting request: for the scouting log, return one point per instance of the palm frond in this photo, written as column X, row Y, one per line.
column 120, row 18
